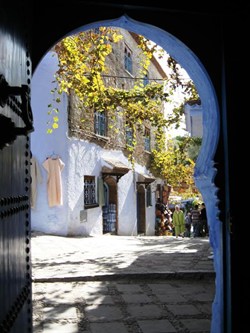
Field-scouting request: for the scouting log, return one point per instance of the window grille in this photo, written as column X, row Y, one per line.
column 89, row 191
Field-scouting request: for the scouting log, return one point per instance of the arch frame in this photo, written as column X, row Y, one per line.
column 205, row 170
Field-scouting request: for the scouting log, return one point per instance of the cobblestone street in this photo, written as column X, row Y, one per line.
column 113, row 284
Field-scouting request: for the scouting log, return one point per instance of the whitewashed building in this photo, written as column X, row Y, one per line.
column 97, row 189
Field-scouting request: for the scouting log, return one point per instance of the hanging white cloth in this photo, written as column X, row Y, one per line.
column 36, row 177
column 54, row 181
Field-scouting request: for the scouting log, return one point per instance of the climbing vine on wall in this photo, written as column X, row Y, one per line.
column 82, row 69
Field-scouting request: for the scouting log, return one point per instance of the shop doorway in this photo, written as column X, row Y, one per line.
column 141, row 213
column 110, row 216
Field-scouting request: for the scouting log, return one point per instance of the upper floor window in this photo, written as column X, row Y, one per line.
column 100, row 126
column 147, row 139
column 129, row 135
column 145, row 80
column 128, row 60
column 90, row 191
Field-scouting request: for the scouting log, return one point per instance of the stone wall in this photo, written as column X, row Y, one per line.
column 81, row 121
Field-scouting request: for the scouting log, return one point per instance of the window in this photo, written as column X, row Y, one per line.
column 149, row 196
column 129, row 135
column 147, row 139
column 96, row 31
column 145, row 80
column 128, row 60
column 100, row 123
column 89, row 191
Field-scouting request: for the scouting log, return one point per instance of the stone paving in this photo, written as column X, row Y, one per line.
column 116, row 284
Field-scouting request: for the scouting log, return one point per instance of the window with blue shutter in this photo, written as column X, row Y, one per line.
column 128, row 60
column 147, row 139
column 145, row 80
column 100, row 123
column 129, row 135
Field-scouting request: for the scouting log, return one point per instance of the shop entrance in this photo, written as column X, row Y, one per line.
column 141, row 215
column 110, row 216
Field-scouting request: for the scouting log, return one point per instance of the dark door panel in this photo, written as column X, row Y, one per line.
column 15, row 125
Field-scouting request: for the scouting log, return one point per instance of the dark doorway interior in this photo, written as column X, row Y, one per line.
column 110, row 220
column 141, row 215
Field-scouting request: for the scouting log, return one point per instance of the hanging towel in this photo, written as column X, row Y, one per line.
column 36, row 177
column 54, row 168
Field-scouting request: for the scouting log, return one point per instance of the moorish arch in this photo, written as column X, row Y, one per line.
column 205, row 170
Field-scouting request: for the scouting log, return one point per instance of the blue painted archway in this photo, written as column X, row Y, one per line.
column 205, row 170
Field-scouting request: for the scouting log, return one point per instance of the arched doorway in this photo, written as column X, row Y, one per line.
column 205, row 171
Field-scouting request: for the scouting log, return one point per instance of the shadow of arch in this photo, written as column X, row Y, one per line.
column 204, row 169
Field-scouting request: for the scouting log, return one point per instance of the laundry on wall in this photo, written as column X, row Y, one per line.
column 36, row 178
column 54, row 166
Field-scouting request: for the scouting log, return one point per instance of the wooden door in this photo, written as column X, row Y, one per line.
column 141, row 213
column 15, row 126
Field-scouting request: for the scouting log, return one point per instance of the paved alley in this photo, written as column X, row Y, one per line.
column 117, row 284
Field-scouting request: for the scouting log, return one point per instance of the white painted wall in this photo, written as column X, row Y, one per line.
column 193, row 117
column 80, row 158
column 43, row 218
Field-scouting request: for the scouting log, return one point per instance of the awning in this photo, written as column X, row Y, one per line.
column 145, row 179
column 113, row 167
